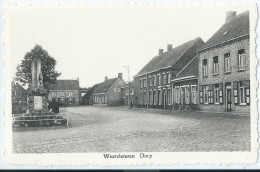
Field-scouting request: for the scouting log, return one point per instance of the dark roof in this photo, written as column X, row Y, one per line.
column 104, row 86
column 191, row 69
column 187, row 57
column 65, row 85
column 236, row 27
column 167, row 59
column 17, row 87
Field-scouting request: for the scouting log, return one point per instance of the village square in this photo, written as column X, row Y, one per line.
column 192, row 97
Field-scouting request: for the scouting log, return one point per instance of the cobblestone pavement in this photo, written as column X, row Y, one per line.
column 114, row 129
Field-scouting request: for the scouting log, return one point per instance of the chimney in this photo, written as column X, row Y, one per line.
column 230, row 15
column 169, row 47
column 120, row 75
column 160, row 51
column 106, row 78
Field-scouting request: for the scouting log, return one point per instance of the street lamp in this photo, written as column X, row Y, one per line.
column 128, row 71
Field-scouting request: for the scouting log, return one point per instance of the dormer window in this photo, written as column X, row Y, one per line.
column 225, row 33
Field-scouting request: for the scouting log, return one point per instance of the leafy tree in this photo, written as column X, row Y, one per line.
column 48, row 64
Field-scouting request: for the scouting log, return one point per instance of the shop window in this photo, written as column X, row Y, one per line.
column 201, row 94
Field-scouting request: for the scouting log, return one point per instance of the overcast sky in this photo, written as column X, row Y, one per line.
column 91, row 42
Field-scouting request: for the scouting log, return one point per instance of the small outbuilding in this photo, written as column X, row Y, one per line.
column 109, row 92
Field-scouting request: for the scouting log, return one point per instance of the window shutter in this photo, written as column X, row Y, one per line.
column 235, row 87
column 247, row 87
column 221, row 93
column 201, row 94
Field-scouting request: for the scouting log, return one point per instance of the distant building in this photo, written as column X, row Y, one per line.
column 224, row 66
column 109, row 93
column 152, row 85
column 66, row 92
column 19, row 98
column 125, row 93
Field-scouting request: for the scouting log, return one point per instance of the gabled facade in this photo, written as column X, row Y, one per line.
column 185, row 87
column 66, row 92
column 224, row 67
column 109, row 92
column 152, row 85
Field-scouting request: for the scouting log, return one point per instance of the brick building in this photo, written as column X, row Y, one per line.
column 153, row 83
column 125, row 93
column 185, row 86
column 109, row 92
column 224, row 67
column 66, row 92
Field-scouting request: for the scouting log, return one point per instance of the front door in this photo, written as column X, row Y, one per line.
column 229, row 100
column 164, row 99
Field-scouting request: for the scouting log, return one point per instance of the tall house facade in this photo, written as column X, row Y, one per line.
column 224, row 67
column 66, row 92
column 153, row 85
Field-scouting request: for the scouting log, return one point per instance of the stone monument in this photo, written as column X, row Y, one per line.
column 37, row 96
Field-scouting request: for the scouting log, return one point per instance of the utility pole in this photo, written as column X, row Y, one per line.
column 129, row 87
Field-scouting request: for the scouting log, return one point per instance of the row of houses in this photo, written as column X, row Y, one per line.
column 211, row 76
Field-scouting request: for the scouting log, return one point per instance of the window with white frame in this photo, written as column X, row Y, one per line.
column 70, row 94
column 227, row 62
column 241, row 59
column 150, row 81
column 216, row 93
column 145, row 82
column 169, row 78
column 164, row 78
column 61, row 94
column 187, row 94
column 193, row 94
column 141, row 83
column 205, row 91
column 159, row 79
column 70, row 101
column 53, row 94
column 205, row 67
column 242, row 93
column 169, row 96
column 177, row 94
column 215, row 65
column 154, row 80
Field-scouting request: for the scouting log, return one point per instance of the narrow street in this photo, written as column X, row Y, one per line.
column 118, row 129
